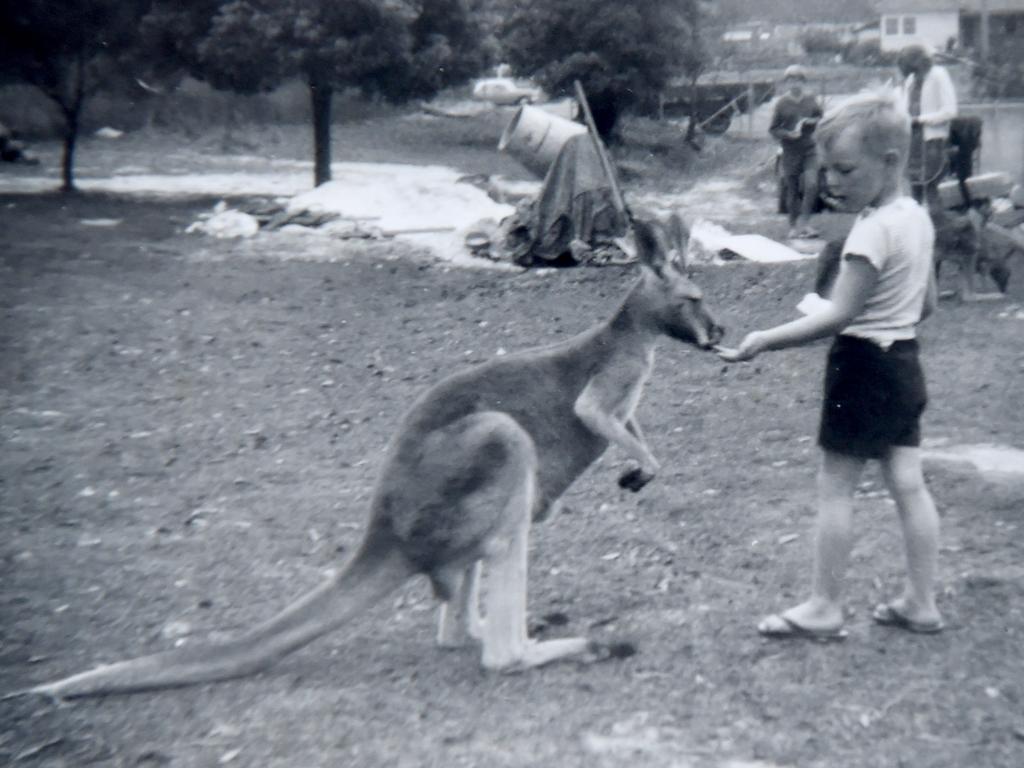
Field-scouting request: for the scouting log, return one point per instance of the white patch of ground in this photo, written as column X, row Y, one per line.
column 426, row 204
column 394, row 198
column 993, row 461
column 233, row 184
column 712, row 243
column 721, row 199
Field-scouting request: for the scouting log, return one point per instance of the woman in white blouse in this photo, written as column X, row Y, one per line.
column 931, row 101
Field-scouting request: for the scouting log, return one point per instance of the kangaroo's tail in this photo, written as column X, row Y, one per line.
column 363, row 582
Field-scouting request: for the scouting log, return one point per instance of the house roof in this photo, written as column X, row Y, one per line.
column 798, row 11
column 888, row 7
column 994, row 6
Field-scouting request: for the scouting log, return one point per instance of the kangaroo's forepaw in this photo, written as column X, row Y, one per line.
column 635, row 479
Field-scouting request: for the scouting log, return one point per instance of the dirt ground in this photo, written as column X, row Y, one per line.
column 191, row 429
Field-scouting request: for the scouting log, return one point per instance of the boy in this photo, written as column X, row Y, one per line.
column 874, row 385
column 793, row 120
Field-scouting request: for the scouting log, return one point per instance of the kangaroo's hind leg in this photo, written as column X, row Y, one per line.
column 506, row 644
column 459, row 622
column 466, row 493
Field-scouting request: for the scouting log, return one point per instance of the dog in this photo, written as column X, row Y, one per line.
column 971, row 241
column 478, row 457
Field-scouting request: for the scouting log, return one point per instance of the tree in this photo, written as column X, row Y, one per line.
column 624, row 54
column 695, row 54
column 394, row 49
column 68, row 49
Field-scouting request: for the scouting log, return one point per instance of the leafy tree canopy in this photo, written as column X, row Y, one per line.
column 69, row 49
column 398, row 50
column 59, row 45
column 622, row 53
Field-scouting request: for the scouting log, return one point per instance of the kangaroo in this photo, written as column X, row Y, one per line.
column 476, row 459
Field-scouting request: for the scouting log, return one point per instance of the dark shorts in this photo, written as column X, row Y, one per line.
column 874, row 397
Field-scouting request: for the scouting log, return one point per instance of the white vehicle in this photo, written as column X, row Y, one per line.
column 505, row 91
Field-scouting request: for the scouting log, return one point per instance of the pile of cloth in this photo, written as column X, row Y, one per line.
column 573, row 220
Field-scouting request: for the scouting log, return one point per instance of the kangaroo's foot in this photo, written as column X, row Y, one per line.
column 536, row 653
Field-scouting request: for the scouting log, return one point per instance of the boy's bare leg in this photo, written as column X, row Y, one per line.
column 905, row 480
column 837, row 481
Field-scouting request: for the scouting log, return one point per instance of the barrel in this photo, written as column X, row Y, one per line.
column 534, row 136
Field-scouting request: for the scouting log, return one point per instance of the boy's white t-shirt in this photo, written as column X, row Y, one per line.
column 898, row 239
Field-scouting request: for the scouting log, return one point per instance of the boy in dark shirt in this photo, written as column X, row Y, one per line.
column 796, row 113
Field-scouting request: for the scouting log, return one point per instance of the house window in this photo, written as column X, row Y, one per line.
column 909, row 25
column 892, row 25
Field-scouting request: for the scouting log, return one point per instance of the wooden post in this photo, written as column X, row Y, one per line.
column 602, row 155
column 983, row 43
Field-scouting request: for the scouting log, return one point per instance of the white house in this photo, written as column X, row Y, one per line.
column 945, row 23
column 932, row 22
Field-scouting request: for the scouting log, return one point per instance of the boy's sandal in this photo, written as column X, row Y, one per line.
column 888, row 616
column 779, row 627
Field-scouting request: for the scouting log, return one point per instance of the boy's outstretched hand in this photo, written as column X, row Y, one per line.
column 748, row 349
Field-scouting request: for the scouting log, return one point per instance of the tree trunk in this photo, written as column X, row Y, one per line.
column 321, row 97
column 68, row 161
column 72, row 109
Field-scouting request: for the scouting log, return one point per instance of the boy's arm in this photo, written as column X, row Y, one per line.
column 931, row 297
column 856, row 281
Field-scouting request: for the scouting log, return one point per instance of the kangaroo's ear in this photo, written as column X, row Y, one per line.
column 650, row 244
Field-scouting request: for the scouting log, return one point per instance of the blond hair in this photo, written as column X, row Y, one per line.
column 880, row 115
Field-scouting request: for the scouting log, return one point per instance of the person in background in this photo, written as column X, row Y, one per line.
column 12, row 150
column 930, row 99
column 796, row 113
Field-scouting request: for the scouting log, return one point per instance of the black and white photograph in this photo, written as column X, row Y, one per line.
column 512, row 383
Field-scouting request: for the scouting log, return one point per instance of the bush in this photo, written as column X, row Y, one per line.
column 869, row 53
column 821, row 41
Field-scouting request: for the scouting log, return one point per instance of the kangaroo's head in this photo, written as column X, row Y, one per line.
column 666, row 296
